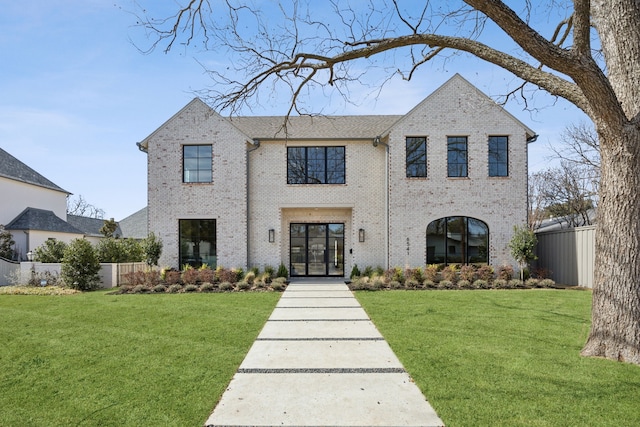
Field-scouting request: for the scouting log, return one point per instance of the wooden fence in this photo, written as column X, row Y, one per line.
column 568, row 255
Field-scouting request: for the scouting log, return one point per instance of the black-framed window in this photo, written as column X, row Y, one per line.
column 196, row 163
column 457, row 156
column 457, row 240
column 498, row 156
column 315, row 165
column 416, row 156
column 197, row 242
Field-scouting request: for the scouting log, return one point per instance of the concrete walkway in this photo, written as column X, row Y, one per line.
column 320, row 361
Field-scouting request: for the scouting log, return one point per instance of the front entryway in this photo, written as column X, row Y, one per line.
column 316, row 249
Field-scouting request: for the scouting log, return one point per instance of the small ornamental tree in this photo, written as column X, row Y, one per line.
column 523, row 245
column 152, row 247
column 51, row 250
column 6, row 243
column 109, row 227
column 80, row 266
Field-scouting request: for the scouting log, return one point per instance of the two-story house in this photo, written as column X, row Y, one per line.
column 444, row 183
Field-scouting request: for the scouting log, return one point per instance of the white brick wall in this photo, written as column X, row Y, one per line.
column 224, row 199
column 455, row 109
column 359, row 203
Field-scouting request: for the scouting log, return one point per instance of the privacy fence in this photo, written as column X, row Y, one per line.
column 111, row 275
column 568, row 255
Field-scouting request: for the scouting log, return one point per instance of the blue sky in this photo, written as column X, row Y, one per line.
column 76, row 95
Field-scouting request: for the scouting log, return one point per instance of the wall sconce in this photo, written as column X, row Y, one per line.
column 272, row 235
column 30, row 256
column 361, row 235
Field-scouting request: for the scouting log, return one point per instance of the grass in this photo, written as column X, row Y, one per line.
column 505, row 358
column 129, row 360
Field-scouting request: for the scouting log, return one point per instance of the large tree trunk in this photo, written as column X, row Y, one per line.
column 615, row 329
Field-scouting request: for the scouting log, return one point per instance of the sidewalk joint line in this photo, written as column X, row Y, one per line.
column 321, row 371
column 323, row 339
column 319, row 320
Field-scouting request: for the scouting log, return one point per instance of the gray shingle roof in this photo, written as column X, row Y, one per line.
column 43, row 220
column 90, row 226
column 12, row 168
column 315, row 127
column 135, row 225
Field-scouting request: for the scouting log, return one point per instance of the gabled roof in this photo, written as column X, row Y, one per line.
column 321, row 127
column 42, row 220
column 12, row 168
column 90, row 226
column 136, row 225
column 457, row 78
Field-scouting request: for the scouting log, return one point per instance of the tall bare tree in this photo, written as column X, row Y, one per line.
column 305, row 48
column 564, row 192
column 80, row 207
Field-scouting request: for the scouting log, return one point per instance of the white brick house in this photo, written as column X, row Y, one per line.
column 444, row 183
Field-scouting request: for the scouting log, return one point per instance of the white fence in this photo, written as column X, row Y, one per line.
column 568, row 255
column 111, row 275
column 8, row 269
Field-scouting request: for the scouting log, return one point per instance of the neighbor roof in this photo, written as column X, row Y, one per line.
column 12, row 168
column 42, row 220
column 135, row 225
column 90, row 226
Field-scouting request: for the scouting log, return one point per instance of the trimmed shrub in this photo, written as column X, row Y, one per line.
column 190, row 288
column 485, row 272
column 450, row 273
column 282, row 271
column 547, row 283
column 50, row 251
column 207, row 287
column 80, row 266
column 159, row 289
column 174, row 289
column 206, row 275
column 225, row 286
column 412, row 283
column 445, row 284
column 464, row 284
column 468, row 273
column 500, row 284
column 139, row 289
column 355, row 272
column 532, row 283
column 190, row 275
column 505, row 272
column 481, row 284
column 432, row 272
column 429, row 284
column 243, row 286
column 516, row 283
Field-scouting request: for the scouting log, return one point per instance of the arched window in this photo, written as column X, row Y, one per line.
column 457, row 240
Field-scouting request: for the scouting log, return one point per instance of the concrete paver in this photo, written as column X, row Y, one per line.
column 320, row 361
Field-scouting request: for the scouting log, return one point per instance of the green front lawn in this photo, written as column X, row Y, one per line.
column 506, row 358
column 95, row 359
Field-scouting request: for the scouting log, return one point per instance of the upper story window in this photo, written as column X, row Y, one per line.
column 315, row 165
column 457, row 156
column 498, row 156
column 196, row 163
column 416, row 157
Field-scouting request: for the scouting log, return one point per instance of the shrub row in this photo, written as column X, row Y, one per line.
column 204, row 279
column 443, row 277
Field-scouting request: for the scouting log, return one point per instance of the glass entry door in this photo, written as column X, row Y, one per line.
column 317, row 250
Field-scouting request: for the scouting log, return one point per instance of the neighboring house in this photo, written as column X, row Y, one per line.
column 90, row 227
column 34, row 209
column 135, row 226
column 444, row 183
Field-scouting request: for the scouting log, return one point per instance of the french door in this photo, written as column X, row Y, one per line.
column 316, row 249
